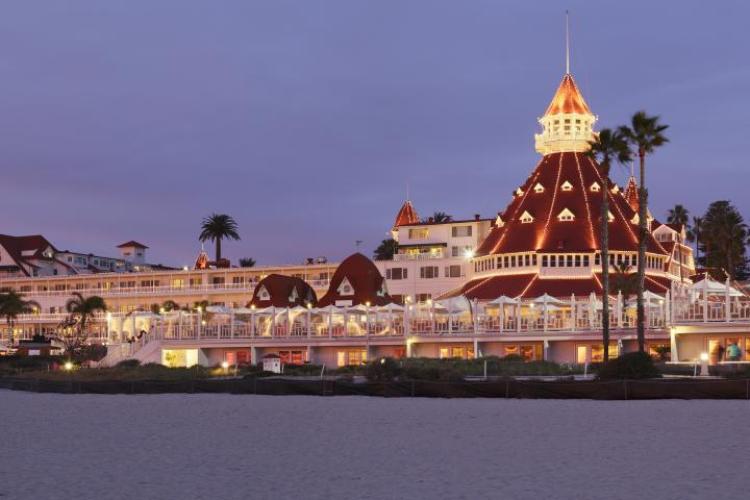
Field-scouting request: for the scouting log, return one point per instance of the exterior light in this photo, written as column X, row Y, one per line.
column 225, row 365
column 704, row 356
column 199, row 309
column 184, row 268
column 162, row 310
column 429, row 302
column 382, row 361
column 68, row 366
column 367, row 303
column 203, row 322
column 252, row 306
column 309, row 305
column 468, row 253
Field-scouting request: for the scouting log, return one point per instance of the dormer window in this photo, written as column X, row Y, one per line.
column 519, row 192
column 538, row 188
column 566, row 186
column 565, row 216
column 595, row 187
column 615, row 189
column 345, row 288
column 499, row 222
column 610, row 217
column 526, row 217
column 635, row 219
column 294, row 295
column 263, row 293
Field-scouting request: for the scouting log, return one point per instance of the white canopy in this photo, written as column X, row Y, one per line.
column 503, row 300
column 548, row 299
column 454, row 304
column 218, row 310
column 712, row 287
column 392, row 307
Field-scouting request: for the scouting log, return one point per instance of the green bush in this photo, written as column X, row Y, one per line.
column 128, row 363
column 634, row 365
column 383, row 370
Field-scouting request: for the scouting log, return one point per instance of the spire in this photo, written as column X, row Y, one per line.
column 631, row 191
column 567, row 43
column 568, row 99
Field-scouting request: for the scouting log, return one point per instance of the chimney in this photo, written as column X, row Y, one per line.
column 476, row 216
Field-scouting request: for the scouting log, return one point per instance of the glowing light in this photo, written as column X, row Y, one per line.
column 184, row 268
column 704, row 356
column 68, row 366
column 225, row 365
column 468, row 253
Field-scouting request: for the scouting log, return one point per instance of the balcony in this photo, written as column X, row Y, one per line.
column 401, row 257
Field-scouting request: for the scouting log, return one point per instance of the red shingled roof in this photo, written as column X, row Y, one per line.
column 631, row 193
column 567, row 99
column 33, row 246
column 548, row 234
column 132, row 243
column 407, row 215
column 282, row 290
column 367, row 284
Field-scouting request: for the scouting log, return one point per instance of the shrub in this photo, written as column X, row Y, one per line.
column 128, row 363
column 382, row 370
column 634, row 365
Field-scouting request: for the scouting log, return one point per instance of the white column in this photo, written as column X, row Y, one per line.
column 231, row 324
column 705, row 301
column 309, row 324
column 618, row 309
column 273, row 321
column 727, row 304
column 288, row 322
column 573, row 312
column 330, row 322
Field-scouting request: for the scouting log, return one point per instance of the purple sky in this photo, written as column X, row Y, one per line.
column 305, row 120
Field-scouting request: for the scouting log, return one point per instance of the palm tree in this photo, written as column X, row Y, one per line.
column 247, row 262
column 608, row 146
column 81, row 308
column 13, row 304
column 217, row 227
column 645, row 134
column 386, row 249
column 681, row 216
column 441, row 217
column 695, row 234
column 624, row 281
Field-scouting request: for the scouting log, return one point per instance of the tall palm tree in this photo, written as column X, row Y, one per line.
column 217, row 227
column 681, row 216
column 695, row 235
column 608, row 146
column 81, row 309
column 13, row 304
column 645, row 134
column 725, row 229
column 386, row 249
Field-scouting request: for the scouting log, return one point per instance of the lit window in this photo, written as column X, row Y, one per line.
column 538, row 188
column 526, row 218
column 566, row 186
column 595, row 187
column 565, row 215
column 519, row 192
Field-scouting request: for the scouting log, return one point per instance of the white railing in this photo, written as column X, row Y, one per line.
column 418, row 256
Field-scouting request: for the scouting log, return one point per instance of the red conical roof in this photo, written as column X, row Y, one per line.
column 407, row 215
column 563, row 184
column 568, row 99
column 631, row 193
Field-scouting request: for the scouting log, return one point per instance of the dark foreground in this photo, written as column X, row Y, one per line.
column 506, row 388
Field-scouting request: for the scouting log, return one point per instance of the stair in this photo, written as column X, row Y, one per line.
column 150, row 352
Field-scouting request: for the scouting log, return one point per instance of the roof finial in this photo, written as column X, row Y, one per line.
column 407, row 191
column 567, row 43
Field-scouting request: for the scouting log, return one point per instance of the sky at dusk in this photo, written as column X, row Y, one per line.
column 305, row 120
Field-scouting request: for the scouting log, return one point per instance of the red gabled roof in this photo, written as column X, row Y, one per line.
column 407, row 215
column 280, row 288
column 132, row 243
column 567, row 99
column 368, row 285
column 16, row 246
column 548, row 234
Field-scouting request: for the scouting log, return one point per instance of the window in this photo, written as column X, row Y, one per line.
column 566, row 186
column 526, row 218
column 553, row 261
column 461, row 231
column 428, row 272
column 538, row 188
column 527, row 260
column 423, row 297
column 565, row 215
column 238, row 280
column 519, row 192
column 453, row 271
column 595, row 187
column 420, row 233
column 513, row 261
column 545, row 261
column 396, row 273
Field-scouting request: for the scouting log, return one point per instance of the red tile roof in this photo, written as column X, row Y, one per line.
column 366, row 281
column 280, row 288
column 548, row 234
column 23, row 248
column 631, row 193
column 567, row 99
column 407, row 215
column 132, row 243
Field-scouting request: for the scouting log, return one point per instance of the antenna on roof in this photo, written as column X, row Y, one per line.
column 567, row 42
column 407, row 191
column 357, row 243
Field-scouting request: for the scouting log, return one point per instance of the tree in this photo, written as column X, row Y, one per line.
column 80, row 310
column 217, row 227
column 645, row 135
column 608, row 146
column 624, row 281
column 681, row 216
column 247, row 262
column 441, row 217
column 724, row 236
column 13, row 304
column 386, row 249
column 696, row 235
